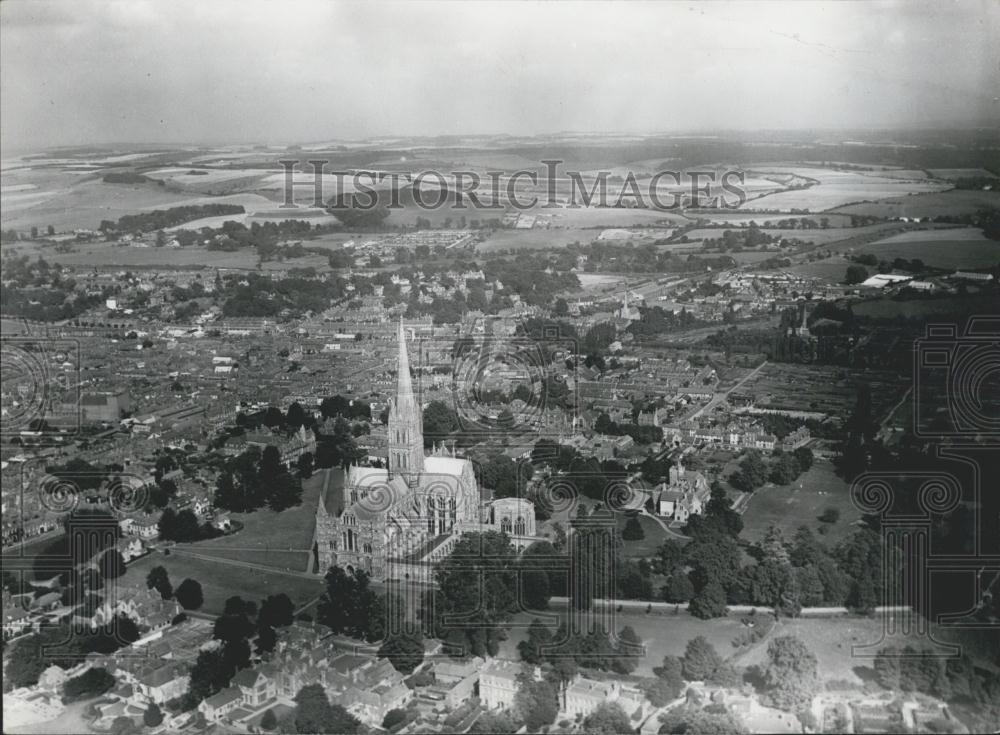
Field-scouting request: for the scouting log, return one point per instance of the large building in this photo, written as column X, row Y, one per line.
column 406, row 511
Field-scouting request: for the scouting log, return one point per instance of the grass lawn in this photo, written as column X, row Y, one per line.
column 800, row 503
column 830, row 639
column 281, row 540
column 221, row 581
column 644, row 547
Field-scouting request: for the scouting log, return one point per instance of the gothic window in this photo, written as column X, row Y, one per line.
column 367, row 548
column 452, row 511
column 505, row 525
column 519, row 526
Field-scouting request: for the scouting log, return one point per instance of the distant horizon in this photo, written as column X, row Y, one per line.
column 239, row 72
column 680, row 133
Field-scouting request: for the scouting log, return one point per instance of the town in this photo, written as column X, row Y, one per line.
column 327, row 465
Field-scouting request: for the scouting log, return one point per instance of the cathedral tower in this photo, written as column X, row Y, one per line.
column 406, row 435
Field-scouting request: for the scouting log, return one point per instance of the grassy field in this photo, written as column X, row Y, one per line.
column 534, row 239
column 109, row 254
column 800, row 503
column 831, row 640
column 959, row 248
column 837, row 188
column 280, row 540
column 220, row 581
column 927, row 205
column 645, row 547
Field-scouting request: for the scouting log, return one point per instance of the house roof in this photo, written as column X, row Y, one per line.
column 226, row 696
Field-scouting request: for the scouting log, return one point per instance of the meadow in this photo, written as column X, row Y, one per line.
column 954, row 202
column 836, row 188
column 800, row 504
column 280, row 540
column 953, row 248
column 219, row 581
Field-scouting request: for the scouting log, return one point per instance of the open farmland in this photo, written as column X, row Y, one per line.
column 763, row 218
column 102, row 254
column 837, row 188
column 965, row 247
column 954, row 202
column 532, row 239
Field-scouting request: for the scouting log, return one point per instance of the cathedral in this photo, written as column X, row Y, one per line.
column 413, row 509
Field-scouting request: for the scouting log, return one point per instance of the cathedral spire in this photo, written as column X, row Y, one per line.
column 406, row 436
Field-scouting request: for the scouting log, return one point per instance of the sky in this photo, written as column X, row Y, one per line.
column 177, row 71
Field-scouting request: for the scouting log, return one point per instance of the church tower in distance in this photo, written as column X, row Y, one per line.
column 406, row 435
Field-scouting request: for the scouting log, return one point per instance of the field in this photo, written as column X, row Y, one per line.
column 63, row 200
column 836, row 188
column 954, row 248
column 533, row 239
column 831, row 640
column 954, row 202
column 799, row 504
column 761, row 218
column 280, row 540
column 830, row 269
column 220, row 581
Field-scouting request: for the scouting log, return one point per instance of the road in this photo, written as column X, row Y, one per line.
column 718, row 397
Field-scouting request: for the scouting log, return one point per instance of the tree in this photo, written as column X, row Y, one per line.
column 659, row 692
column 855, row 274
column 791, row 675
column 633, row 530
column 708, row 602
column 671, row 672
column 404, row 652
column 392, row 718
column 752, row 473
column 122, row 725
column 678, row 587
column 494, row 723
column 189, row 594
column 692, row 721
column 607, row 719
column 536, row 702
column 266, row 639
column 159, row 580
column 210, row 674
column 629, row 649
column 152, row 717
column 483, row 608
column 269, row 721
column 314, row 713
column 277, row 611
column 668, row 556
column 90, row 683
column 561, row 308
column 112, row 564
column 305, row 465
column 438, row 422
column 700, row 659
column 532, row 649
column 350, row 606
